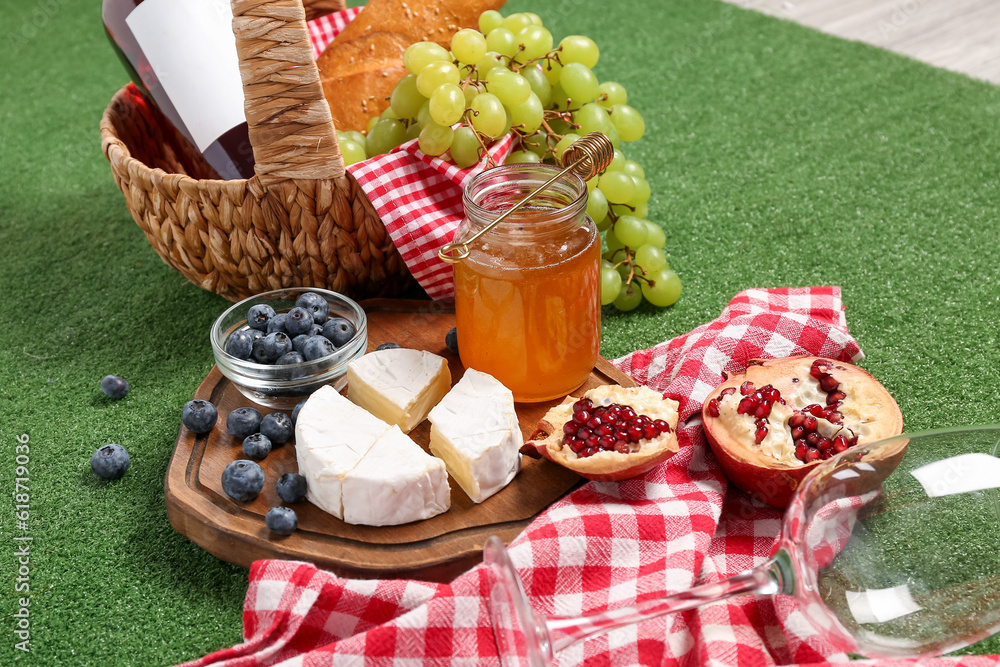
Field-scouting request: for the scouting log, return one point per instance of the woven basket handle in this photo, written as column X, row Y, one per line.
column 291, row 129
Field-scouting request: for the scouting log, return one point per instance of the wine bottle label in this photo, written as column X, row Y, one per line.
column 191, row 48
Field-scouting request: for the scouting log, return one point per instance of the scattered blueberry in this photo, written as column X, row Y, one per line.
column 299, row 341
column 199, row 416
column 291, row 487
column 281, row 520
column 316, row 347
column 298, row 321
column 255, row 334
column 114, row 386
column 267, row 349
column 387, row 346
column 316, row 305
column 277, row 426
column 315, row 330
column 288, row 358
column 243, row 422
column 278, row 323
column 111, row 462
column 296, row 409
column 339, row 331
column 451, row 339
column 240, row 343
column 242, row 480
column 258, row 316
column 256, row 446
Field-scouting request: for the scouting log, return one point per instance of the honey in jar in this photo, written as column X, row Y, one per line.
column 527, row 298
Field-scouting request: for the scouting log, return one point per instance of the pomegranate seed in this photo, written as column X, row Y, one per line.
column 606, row 442
column 809, row 424
column 622, row 447
column 628, row 412
column 815, row 409
column 582, row 405
column 812, row 454
column 763, row 409
column 772, row 394
column 581, row 416
column 583, row 433
column 824, row 444
column 825, row 454
column 634, row 433
column 727, row 391
column 796, row 419
column 567, row 440
column 576, row 446
column 745, row 406
column 622, row 434
column 661, row 426
column 571, row 428
column 835, row 397
column 819, row 368
column 813, row 439
column 840, row 444
column 713, row 407
column 760, row 434
column 592, row 442
column 747, row 388
column 649, row 431
column 828, row 383
column 798, row 433
column 594, row 422
column 834, row 416
column 800, row 452
column 604, row 430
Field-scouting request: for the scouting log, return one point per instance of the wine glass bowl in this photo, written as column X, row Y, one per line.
column 890, row 550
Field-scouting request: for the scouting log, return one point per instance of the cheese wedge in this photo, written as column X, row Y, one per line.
column 474, row 429
column 399, row 386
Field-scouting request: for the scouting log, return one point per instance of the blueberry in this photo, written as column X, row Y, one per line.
column 242, row 422
column 258, row 316
column 277, row 426
column 387, row 346
column 114, row 386
column 242, row 480
column 256, row 446
column 255, row 335
column 299, row 341
column 278, row 323
column 291, row 487
column 110, row 461
column 451, row 340
column 199, row 416
column 281, row 520
column 267, row 349
column 296, row 409
column 339, row 331
column 288, row 358
column 316, row 347
column 299, row 321
column 240, row 343
column 316, row 305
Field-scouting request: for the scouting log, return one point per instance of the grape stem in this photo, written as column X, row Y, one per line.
column 490, row 163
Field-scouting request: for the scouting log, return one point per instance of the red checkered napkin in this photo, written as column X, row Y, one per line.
column 418, row 197
column 603, row 546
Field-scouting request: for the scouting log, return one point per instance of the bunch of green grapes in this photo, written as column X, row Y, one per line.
column 508, row 76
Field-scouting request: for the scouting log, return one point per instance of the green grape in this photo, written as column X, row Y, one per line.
column 617, row 187
column 389, row 113
column 435, row 139
column 650, row 257
column 617, row 162
column 663, row 289
column 623, row 268
column 424, row 117
column 489, row 20
column 517, row 22
column 536, row 143
column 509, row 87
column 631, row 230
column 604, row 225
column 468, row 45
column 507, row 122
column 614, row 137
column 535, row 18
column 629, row 299
column 412, row 131
column 436, row 75
column 488, row 114
column 536, row 40
column 489, row 62
column 642, row 192
column 552, row 71
column 597, row 205
column 522, row 157
column 579, row 83
column 605, row 264
column 406, row 99
column 613, row 242
column 628, row 122
column 447, row 104
column 565, row 143
column 469, row 92
column 371, row 123
column 540, row 86
column 611, row 93
column 356, row 137
column 655, row 235
column 611, row 285
column 560, row 100
column 352, row 151
column 592, row 117
column 465, row 147
column 560, row 127
column 384, row 136
column 623, row 209
column 641, row 211
column 419, row 55
column 591, row 184
column 579, row 49
column 502, row 41
column 633, row 168
column 528, row 114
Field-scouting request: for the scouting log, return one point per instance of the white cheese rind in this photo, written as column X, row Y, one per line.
column 399, row 386
column 397, row 482
column 475, row 430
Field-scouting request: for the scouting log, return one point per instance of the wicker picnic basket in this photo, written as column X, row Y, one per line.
column 301, row 220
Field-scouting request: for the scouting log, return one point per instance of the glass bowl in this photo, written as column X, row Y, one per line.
column 282, row 386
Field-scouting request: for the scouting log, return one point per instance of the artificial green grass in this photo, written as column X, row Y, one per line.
column 777, row 156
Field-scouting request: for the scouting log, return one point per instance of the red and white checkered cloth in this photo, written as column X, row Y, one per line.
column 605, row 545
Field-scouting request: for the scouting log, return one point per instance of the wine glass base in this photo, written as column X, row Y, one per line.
column 521, row 633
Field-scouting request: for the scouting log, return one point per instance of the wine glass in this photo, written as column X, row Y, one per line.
column 890, row 549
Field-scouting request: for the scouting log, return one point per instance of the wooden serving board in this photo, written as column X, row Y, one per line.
column 437, row 549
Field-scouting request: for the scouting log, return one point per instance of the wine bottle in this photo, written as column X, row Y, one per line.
column 182, row 56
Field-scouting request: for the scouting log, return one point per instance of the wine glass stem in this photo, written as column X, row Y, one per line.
column 564, row 631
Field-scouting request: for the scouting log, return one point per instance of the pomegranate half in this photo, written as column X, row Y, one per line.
column 770, row 425
column 609, row 434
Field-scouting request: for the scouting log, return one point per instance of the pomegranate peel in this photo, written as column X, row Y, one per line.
column 551, row 436
column 770, row 425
